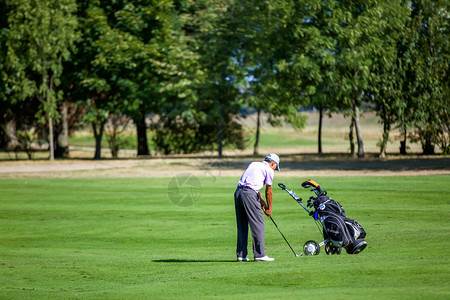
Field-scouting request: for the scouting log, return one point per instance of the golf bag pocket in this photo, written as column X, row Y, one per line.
column 355, row 229
column 335, row 229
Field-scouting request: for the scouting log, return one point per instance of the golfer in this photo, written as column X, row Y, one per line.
column 248, row 203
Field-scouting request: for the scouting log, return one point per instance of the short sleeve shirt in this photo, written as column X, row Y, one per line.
column 257, row 175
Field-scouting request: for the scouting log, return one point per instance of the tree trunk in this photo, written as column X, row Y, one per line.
column 403, row 143
column 62, row 141
column 220, row 139
column 52, row 144
column 319, row 142
column 11, row 132
column 350, row 137
column 385, row 137
column 258, row 125
column 98, row 134
column 358, row 130
column 49, row 114
column 427, row 146
column 141, row 128
column 113, row 143
column 4, row 138
column 384, row 141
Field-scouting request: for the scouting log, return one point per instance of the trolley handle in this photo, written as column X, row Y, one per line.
column 281, row 185
column 293, row 195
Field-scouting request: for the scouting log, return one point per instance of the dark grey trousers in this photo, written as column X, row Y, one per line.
column 248, row 212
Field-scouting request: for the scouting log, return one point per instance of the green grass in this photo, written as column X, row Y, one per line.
column 123, row 238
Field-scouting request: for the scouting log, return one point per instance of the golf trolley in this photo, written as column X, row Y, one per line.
column 338, row 231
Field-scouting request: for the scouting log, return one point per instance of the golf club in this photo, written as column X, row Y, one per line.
column 296, row 255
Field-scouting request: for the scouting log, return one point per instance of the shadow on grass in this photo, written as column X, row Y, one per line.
column 193, row 261
column 337, row 161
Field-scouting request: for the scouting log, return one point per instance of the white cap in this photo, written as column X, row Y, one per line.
column 275, row 158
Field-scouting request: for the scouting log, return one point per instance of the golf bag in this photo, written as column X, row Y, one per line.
column 338, row 231
column 343, row 232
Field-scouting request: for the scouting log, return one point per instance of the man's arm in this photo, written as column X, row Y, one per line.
column 268, row 209
column 261, row 200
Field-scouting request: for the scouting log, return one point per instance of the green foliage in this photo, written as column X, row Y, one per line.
column 177, row 135
column 217, row 36
column 427, row 64
column 133, row 59
column 411, row 90
column 196, row 64
column 303, row 47
column 265, row 48
column 39, row 38
column 388, row 76
column 4, row 87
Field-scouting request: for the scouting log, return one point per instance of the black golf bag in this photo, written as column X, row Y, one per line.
column 343, row 232
column 338, row 231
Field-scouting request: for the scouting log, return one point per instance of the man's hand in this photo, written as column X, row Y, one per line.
column 267, row 211
column 264, row 206
column 262, row 202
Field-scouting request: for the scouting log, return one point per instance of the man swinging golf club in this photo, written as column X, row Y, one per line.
column 248, row 203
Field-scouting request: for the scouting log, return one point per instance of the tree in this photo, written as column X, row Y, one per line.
column 131, row 61
column 17, row 118
column 388, row 77
column 41, row 35
column 217, row 34
column 427, row 74
column 100, row 68
column 361, row 46
column 319, row 62
column 332, row 51
column 262, row 50
column 4, row 89
column 411, row 93
column 303, row 40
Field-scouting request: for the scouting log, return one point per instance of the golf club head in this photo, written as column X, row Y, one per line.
column 282, row 186
column 309, row 183
column 299, row 255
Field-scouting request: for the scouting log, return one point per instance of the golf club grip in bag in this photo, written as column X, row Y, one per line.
column 343, row 231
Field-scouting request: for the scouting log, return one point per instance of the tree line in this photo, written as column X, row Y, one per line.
column 194, row 65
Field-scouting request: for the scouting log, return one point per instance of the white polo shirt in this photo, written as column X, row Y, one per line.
column 257, row 175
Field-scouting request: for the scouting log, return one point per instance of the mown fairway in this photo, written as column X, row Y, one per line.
column 124, row 238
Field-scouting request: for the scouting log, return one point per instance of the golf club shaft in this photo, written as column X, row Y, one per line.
column 282, row 235
column 307, row 210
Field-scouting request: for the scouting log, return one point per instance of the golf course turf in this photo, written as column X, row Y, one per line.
column 128, row 238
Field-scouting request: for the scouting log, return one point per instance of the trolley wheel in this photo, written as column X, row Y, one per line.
column 331, row 249
column 311, row 248
column 357, row 246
